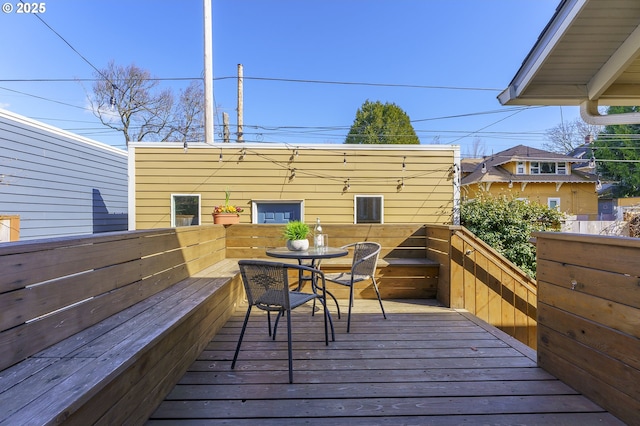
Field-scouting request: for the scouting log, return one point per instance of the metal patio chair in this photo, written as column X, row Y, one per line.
column 267, row 286
column 363, row 267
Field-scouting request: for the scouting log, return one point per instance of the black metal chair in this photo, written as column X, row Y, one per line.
column 267, row 287
column 363, row 267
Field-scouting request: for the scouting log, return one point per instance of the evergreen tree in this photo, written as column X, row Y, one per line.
column 378, row 123
column 618, row 149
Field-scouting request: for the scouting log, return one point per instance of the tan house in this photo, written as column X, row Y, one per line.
column 274, row 183
column 536, row 175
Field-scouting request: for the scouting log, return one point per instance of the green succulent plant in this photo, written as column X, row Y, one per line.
column 296, row 230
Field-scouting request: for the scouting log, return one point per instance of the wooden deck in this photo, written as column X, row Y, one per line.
column 425, row 365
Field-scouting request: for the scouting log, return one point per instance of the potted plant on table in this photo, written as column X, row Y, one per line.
column 227, row 214
column 296, row 232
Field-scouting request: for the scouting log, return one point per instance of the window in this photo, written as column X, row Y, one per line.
column 547, row 168
column 553, row 203
column 535, row 168
column 562, row 168
column 520, row 168
column 185, row 210
column 281, row 211
column 369, row 209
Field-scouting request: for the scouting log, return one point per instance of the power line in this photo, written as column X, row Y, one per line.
column 287, row 80
column 43, row 98
column 360, row 83
column 74, row 80
column 37, row 15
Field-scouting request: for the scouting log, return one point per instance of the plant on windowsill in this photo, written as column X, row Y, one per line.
column 226, row 214
column 296, row 232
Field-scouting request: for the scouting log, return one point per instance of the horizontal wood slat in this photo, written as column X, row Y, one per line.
column 56, row 288
column 589, row 316
column 403, row 268
column 424, row 364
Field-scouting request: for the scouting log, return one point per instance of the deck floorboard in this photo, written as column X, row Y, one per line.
column 424, row 365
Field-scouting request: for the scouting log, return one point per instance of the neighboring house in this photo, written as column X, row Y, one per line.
column 275, row 183
column 536, row 175
column 54, row 183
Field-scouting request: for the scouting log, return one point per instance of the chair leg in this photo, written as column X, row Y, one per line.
column 289, row 347
column 327, row 315
column 375, row 285
column 275, row 326
column 350, row 305
column 244, row 327
column 334, row 301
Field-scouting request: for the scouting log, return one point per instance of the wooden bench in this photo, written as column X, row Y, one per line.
column 117, row 369
column 397, row 278
column 404, row 271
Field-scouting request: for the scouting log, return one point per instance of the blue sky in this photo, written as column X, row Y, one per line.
column 442, row 61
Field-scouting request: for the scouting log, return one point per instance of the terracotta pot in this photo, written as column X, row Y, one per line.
column 226, row 218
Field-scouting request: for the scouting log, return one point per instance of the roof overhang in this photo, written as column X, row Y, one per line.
column 588, row 55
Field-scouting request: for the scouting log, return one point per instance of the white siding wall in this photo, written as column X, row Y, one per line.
column 59, row 183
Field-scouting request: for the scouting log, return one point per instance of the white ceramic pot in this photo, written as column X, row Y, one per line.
column 298, row 245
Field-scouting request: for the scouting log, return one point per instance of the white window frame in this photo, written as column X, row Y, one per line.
column 555, row 200
column 562, row 166
column 521, row 168
column 355, row 206
column 534, row 167
column 559, row 167
column 173, row 208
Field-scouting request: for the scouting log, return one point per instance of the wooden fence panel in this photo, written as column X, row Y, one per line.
column 51, row 289
column 489, row 286
column 589, row 317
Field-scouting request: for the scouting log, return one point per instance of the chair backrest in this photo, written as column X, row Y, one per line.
column 365, row 258
column 266, row 284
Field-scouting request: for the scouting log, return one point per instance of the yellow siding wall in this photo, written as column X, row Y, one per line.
column 575, row 198
column 510, row 167
column 320, row 179
column 628, row 202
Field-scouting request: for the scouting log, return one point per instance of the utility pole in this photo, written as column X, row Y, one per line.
column 240, row 104
column 208, row 74
column 225, row 127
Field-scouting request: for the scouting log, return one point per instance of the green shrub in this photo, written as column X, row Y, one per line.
column 506, row 223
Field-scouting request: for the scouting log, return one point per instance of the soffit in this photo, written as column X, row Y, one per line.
column 590, row 50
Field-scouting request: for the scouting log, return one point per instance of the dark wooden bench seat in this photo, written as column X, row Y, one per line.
column 112, row 372
column 109, row 357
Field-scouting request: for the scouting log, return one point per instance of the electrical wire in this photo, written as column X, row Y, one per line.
column 360, row 83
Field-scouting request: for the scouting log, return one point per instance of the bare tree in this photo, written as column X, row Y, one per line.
column 565, row 137
column 189, row 114
column 477, row 149
column 128, row 100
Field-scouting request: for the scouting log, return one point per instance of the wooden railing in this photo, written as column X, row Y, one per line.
column 475, row 277
column 588, row 306
column 52, row 289
column 589, row 317
column 404, row 271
